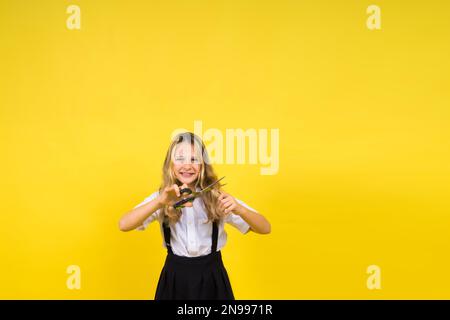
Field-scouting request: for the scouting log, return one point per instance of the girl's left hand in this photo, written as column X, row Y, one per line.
column 228, row 204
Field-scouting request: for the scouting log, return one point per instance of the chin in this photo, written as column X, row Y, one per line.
column 187, row 181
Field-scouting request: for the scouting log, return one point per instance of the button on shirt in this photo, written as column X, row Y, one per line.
column 191, row 236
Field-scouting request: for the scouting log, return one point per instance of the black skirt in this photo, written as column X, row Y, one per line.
column 194, row 278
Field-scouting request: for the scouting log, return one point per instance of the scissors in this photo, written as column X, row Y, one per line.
column 180, row 204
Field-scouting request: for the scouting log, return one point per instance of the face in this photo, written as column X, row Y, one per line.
column 186, row 164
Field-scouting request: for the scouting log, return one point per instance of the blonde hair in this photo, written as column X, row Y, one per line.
column 206, row 177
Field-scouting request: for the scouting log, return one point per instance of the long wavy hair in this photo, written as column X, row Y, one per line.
column 206, row 177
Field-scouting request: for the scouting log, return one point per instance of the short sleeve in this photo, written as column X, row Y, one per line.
column 236, row 221
column 152, row 217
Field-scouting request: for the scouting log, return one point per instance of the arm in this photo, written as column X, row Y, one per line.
column 136, row 217
column 258, row 223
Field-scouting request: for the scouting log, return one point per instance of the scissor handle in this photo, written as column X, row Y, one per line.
column 180, row 203
column 185, row 190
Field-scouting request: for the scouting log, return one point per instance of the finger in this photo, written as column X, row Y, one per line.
column 221, row 207
column 177, row 190
column 225, row 200
column 230, row 208
column 222, row 195
column 228, row 204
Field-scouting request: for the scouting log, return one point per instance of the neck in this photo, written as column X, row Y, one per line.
column 192, row 186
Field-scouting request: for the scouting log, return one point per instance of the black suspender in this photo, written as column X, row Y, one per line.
column 215, row 233
column 166, row 228
column 214, row 237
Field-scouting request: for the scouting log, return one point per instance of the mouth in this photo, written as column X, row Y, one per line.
column 187, row 174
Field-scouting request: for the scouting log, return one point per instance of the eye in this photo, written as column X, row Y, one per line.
column 195, row 160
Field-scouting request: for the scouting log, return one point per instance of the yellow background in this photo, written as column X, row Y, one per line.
column 363, row 115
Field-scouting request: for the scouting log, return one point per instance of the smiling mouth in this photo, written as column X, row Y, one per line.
column 186, row 174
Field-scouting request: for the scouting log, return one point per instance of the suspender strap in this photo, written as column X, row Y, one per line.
column 214, row 238
column 166, row 228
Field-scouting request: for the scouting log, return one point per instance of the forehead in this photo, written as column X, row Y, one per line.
column 185, row 149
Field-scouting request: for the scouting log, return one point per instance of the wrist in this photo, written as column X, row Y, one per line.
column 240, row 210
column 160, row 204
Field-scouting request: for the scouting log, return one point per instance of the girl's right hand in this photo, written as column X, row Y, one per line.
column 171, row 194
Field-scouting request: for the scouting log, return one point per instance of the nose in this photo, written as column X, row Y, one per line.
column 188, row 162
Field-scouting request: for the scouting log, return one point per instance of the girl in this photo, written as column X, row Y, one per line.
column 193, row 235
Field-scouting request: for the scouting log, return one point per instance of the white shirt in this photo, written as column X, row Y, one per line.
column 190, row 236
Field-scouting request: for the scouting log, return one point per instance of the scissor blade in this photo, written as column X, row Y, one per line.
column 180, row 204
column 210, row 186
